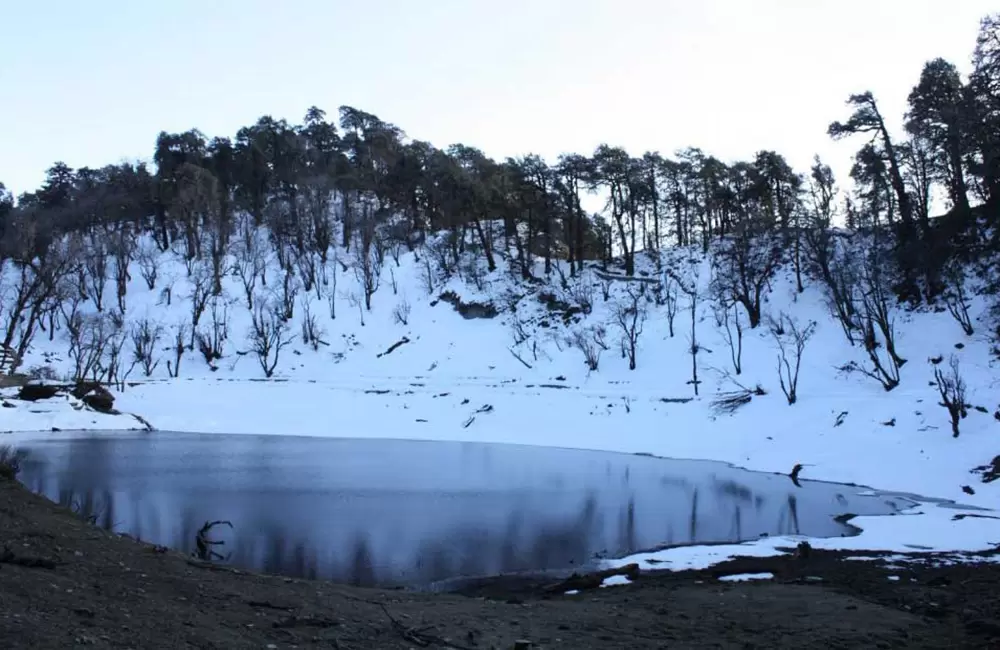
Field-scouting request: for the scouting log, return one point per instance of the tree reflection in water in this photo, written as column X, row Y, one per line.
column 502, row 511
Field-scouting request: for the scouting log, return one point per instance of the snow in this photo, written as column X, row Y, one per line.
column 614, row 581
column 747, row 577
column 459, row 379
column 925, row 528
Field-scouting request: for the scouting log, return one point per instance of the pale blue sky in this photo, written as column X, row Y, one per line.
column 93, row 83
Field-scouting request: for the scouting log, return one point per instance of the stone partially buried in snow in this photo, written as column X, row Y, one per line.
column 35, row 392
column 95, row 396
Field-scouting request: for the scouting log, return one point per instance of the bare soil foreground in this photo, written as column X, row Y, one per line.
column 65, row 584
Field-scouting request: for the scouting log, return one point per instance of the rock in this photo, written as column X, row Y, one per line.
column 95, row 396
column 35, row 392
column 984, row 627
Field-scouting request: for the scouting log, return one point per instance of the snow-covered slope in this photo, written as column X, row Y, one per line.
column 516, row 377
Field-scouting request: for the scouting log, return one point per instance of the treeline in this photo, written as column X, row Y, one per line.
column 358, row 184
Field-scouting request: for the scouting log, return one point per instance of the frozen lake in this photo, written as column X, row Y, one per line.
column 392, row 512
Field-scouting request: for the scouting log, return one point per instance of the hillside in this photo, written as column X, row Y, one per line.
column 517, row 376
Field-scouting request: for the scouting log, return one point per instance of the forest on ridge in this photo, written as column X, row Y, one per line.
column 353, row 190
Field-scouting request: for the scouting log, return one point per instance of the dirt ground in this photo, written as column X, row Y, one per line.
column 65, row 584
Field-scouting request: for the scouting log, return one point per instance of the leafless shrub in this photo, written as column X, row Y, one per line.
column 590, row 341
column 791, row 339
column 606, row 289
column 582, row 292
column 145, row 337
column 10, row 462
column 148, row 261
column 951, row 388
column 44, row 373
column 444, row 254
column 401, row 312
column 355, row 301
column 473, row 271
column 307, row 263
column 519, row 329
column 312, row 331
column 268, row 334
column 211, row 341
column 166, row 295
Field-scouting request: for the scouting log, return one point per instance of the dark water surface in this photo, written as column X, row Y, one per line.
column 392, row 512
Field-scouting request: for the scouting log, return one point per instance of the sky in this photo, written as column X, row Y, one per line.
column 94, row 83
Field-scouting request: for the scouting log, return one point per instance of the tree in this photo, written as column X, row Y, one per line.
column 951, row 388
column 867, row 119
column 268, row 334
column 630, row 315
column 983, row 95
column 937, row 113
column 744, row 266
column 791, row 339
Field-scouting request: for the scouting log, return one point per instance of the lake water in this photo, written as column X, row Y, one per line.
column 391, row 512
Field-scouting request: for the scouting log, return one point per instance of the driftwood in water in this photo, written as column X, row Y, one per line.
column 578, row 582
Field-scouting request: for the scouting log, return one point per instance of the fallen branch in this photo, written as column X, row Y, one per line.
column 393, row 347
column 204, row 545
column 518, row 357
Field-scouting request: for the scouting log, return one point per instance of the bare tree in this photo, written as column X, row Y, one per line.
column 691, row 289
column 670, row 294
column 115, row 371
column 744, row 267
column 951, row 387
column 249, row 259
column 95, row 266
column 180, row 341
column 122, row 248
column 368, row 271
column 289, row 290
column 36, row 279
column 268, row 334
column 312, row 331
column 89, row 336
column 428, row 275
column 791, row 339
column 145, row 337
column 201, row 291
column 727, row 316
column 331, row 295
column 630, row 315
column 354, row 301
column 957, row 300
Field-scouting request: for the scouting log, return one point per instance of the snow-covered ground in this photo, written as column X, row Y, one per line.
column 516, row 378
